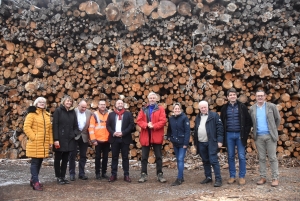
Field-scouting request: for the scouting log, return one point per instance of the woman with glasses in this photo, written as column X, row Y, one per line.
column 65, row 129
column 38, row 129
column 179, row 135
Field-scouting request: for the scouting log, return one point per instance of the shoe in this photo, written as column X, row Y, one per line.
column 65, row 180
column 218, row 183
column 275, row 183
column 143, row 178
column 231, row 180
column 112, row 178
column 104, row 176
column 242, row 181
column 83, row 177
column 60, row 181
column 31, row 183
column 206, row 180
column 98, row 176
column 161, row 178
column 177, row 182
column 261, row 181
column 36, row 186
column 72, row 177
column 127, row 179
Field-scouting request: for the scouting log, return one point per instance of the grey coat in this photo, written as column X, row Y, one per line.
column 273, row 119
column 84, row 133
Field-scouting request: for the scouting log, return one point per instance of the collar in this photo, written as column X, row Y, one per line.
column 262, row 105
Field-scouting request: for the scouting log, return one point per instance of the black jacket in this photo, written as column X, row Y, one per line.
column 179, row 130
column 245, row 122
column 65, row 128
column 127, row 127
column 214, row 129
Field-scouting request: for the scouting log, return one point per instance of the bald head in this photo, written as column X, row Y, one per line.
column 82, row 106
column 119, row 105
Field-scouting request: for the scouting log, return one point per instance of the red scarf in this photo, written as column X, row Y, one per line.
column 120, row 113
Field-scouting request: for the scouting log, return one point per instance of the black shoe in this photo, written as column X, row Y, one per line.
column 218, row 183
column 98, row 176
column 65, row 180
column 60, row 181
column 72, row 177
column 206, row 180
column 83, row 177
column 177, row 182
column 104, row 176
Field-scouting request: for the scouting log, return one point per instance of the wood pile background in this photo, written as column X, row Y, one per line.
column 185, row 51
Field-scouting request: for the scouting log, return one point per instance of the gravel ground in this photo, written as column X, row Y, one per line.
column 14, row 185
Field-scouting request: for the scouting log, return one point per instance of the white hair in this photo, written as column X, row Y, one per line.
column 38, row 100
column 151, row 93
column 203, row 103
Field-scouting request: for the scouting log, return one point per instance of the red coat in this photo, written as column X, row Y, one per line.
column 158, row 119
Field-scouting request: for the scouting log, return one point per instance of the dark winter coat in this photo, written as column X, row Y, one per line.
column 179, row 130
column 245, row 122
column 65, row 128
column 214, row 129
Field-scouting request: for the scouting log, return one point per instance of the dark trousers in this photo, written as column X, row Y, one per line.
column 35, row 167
column 116, row 147
column 158, row 157
column 209, row 158
column 60, row 163
column 102, row 147
column 82, row 161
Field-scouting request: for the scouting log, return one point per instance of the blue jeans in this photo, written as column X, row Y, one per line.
column 35, row 167
column 180, row 154
column 234, row 140
column 209, row 157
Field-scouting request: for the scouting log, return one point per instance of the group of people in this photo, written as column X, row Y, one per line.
column 72, row 128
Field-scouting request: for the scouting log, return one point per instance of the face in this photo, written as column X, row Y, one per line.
column 119, row 105
column 176, row 110
column 260, row 97
column 82, row 106
column 203, row 108
column 152, row 99
column 68, row 103
column 41, row 104
column 102, row 106
column 232, row 97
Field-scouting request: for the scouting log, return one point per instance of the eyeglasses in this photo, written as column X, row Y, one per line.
column 42, row 102
column 260, row 96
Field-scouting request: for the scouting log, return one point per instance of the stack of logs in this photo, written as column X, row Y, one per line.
column 185, row 51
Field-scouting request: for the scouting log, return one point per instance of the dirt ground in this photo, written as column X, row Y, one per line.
column 14, row 185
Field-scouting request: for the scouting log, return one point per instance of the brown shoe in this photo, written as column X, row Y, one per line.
column 231, row 180
column 275, row 183
column 242, row 181
column 112, row 178
column 127, row 179
column 261, row 181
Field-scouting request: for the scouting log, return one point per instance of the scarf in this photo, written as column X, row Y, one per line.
column 120, row 113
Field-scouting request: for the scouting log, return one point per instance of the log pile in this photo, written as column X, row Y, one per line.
column 185, row 51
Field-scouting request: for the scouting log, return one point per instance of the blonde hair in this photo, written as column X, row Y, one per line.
column 40, row 99
column 65, row 98
column 179, row 105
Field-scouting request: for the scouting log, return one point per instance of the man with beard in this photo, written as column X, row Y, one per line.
column 120, row 125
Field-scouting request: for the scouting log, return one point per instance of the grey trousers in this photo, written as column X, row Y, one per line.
column 266, row 146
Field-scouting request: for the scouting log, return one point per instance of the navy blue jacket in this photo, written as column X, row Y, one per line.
column 179, row 130
column 245, row 122
column 214, row 130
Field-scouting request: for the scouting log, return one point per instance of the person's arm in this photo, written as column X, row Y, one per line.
column 92, row 130
column 141, row 120
column 277, row 117
column 220, row 130
column 162, row 120
column 248, row 120
column 130, row 126
column 28, row 127
column 187, row 132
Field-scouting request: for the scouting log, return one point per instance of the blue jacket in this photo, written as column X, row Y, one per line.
column 214, row 129
column 179, row 130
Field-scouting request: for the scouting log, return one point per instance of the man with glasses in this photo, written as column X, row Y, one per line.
column 266, row 119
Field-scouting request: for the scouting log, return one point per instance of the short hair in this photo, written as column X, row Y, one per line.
column 203, row 102
column 151, row 93
column 101, row 100
column 177, row 104
column 40, row 99
column 65, row 98
column 261, row 90
column 231, row 90
column 118, row 100
column 81, row 100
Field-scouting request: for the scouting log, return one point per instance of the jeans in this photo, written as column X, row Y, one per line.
column 234, row 140
column 61, row 163
column 104, row 148
column 35, row 167
column 158, row 157
column 180, row 154
column 209, row 158
column 82, row 161
column 266, row 146
column 116, row 147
